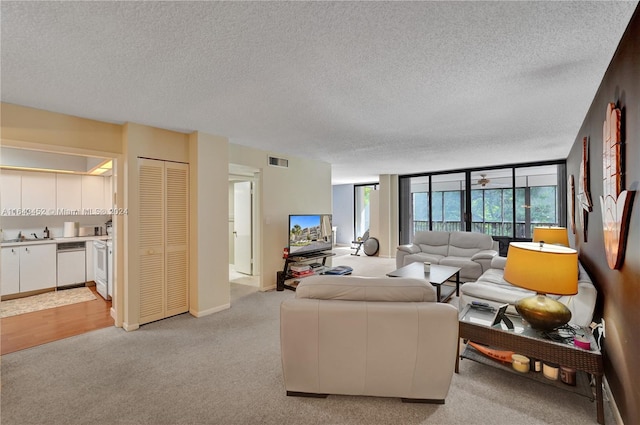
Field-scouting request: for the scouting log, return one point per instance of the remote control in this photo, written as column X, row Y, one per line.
column 481, row 306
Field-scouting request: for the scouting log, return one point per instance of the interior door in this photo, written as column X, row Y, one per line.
column 242, row 205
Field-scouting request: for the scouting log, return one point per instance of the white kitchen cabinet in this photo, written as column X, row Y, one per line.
column 27, row 268
column 69, row 192
column 38, row 192
column 93, row 193
column 10, row 271
column 37, row 267
column 10, row 192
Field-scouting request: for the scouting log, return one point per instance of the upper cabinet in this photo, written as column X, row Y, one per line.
column 41, row 193
column 69, row 190
column 93, row 194
column 10, row 191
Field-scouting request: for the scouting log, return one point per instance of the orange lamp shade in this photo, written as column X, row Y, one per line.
column 552, row 235
column 543, row 268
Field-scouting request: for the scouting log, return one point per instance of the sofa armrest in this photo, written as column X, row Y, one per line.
column 410, row 249
column 485, row 254
column 498, row 262
column 484, row 258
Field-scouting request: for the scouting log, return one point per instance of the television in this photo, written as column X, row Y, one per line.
column 309, row 233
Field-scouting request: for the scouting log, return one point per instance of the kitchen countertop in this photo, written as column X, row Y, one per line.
column 56, row 240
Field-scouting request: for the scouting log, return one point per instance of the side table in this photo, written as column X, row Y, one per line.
column 475, row 325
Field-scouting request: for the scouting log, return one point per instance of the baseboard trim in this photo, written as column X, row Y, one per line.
column 612, row 402
column 130, row 327
column 209, row 311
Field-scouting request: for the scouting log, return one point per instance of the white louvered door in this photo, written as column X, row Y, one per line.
column 163, row 239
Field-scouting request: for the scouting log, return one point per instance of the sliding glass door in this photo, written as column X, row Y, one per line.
column 502, row 202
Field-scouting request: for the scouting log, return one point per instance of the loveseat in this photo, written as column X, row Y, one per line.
column 385, row 337
column 470, row 251
column 492, row 289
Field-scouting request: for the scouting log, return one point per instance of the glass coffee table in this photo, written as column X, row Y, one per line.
column 554, row 347
column 436, row 276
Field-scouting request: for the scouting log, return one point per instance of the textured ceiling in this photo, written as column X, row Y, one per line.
column 370, row 87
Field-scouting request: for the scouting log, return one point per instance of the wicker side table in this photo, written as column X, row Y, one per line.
column 475, row 325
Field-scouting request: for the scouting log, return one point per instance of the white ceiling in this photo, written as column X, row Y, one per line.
column 370, row 87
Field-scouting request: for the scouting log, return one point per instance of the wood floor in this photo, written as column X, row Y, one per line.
column 31, row 329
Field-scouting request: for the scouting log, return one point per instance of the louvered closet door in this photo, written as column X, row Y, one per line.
column 151, row 192
column 177, row 238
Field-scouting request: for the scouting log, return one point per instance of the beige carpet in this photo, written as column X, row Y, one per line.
column 44, row 301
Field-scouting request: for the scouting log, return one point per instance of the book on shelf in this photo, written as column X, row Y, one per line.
column 302, row 274
column 299, row 267
column 339, row 270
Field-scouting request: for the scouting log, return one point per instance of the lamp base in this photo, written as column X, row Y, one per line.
column 542, row 312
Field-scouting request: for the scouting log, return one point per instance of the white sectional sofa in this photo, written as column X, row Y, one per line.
column 470, row 251
column 385, row 337
column 492, row 289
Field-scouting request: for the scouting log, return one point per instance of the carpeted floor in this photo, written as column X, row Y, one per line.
column 45, row 301
column 225, row 369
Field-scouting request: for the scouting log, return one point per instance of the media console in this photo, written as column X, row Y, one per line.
column 286, row 274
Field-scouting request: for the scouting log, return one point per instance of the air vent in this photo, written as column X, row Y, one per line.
column 278, row 162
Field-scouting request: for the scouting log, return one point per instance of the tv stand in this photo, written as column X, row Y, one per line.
column 285, row 274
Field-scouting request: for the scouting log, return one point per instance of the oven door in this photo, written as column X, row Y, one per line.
column 100, row 268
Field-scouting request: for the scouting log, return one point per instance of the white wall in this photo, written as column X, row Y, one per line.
column 302, row 188
column 209, row 198
column 149, row 142
column 343, row 213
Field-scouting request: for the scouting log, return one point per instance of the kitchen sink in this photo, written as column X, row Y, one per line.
column 27, row 239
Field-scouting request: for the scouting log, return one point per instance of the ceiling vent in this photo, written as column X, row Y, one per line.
column 278, row 162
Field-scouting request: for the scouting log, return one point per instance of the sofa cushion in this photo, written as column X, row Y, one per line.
column 465, row 244
column 357, row 288
column 468, row 268
column 432, row 242
column 422, row 257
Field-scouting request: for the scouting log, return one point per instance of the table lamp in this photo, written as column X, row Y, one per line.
column 546, row 269
column 552, row 235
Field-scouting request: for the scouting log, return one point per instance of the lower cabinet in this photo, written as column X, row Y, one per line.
column 28, row 268
column 10, row 271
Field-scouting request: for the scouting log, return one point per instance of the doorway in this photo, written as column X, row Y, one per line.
column 244, row 246
column 83, row 184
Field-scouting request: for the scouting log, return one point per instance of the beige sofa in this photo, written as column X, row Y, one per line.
column 384, row 337
column 470, row 251
column 491, row 288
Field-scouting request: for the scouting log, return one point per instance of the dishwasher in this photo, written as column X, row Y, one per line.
column 71, row 264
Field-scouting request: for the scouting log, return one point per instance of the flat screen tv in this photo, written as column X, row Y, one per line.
column 309, row 233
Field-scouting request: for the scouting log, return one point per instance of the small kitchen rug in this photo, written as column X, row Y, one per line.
column 44, row 301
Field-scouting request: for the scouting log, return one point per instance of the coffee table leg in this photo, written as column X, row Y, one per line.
column 458, row 283
column 438, row 293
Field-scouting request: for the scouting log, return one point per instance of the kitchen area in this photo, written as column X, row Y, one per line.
column 56, row 223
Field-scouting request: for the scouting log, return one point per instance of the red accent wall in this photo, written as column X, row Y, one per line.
column 619, row 290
